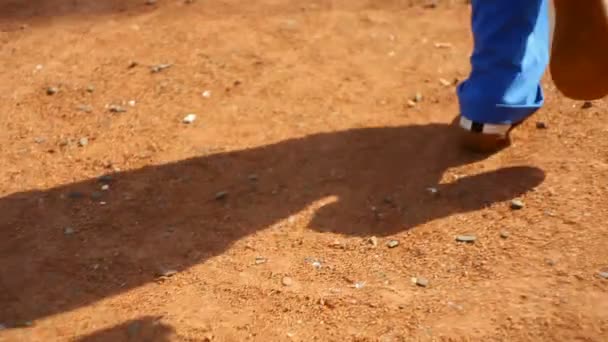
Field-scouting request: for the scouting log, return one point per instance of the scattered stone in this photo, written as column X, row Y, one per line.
column 466, row 238
column 90, row 88
column 69, row 231
column 316, row 264
column 150, row 2
column 505, row 234
column 336, row 244
column 52, row 91
column 422, row 282
column 113, row 108
column 541, row 125
column 159, row 67
column 443, row 45
column 550, row 262
column 253, row 177
column 587, row 105
column 105, row 187
column 131, row 103
column 133, row 64
column 445, row 82
column 287, row 281
column 373, row 241
column 392, row 243
column 206, row 94
column 190, row 118
column 260, row 260
column 411, row 103
column 85, row 108
column 167, row 273
column 221, row 195
column 517, row 204
column 418, row 97
column 433, row 191
column 83, row 142
column 603, row 275
column 359, row 284
column 39, row 140
column 96, row 195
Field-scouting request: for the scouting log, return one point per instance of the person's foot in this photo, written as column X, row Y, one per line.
column 483, row 138
column 579, row 56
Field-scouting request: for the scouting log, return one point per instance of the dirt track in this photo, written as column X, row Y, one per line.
column 308, row 146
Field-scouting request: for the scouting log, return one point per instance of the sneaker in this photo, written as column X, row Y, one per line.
column 485, row 138
column 579, row 54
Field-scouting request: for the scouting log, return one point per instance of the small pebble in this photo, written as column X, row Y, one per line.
column 116, row 109
column 150, row 2
column 85, row 108
column 517, row 204
column 541, row 125
column 39, row 140
column 131, row 103
column 90, row 88
column 603, row 275
column 287, row 281
column 373, row 241
column 392, row 243
column 83, row 142
column 221, row 195
column 51, row 91
column 418, row 97
column 422, row 282
column 433, row 191
column 359, row 284
column 260, row 260
column 445, row 82
column 105, row 187
column 587, row 105
column 411, row 103
column 443, row 45
column 252, row 177
column 167, row 273
column 206, row 94
column 69, row 231
column 316, row 264
column 504, row 234
column 159, row 67
column 133, row 64
column 190, row 118
column 466, row 238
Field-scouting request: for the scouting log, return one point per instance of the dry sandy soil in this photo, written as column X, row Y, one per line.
column 268, row 218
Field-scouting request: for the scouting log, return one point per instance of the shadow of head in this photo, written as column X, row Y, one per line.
column 180, row 214
column 148, row 329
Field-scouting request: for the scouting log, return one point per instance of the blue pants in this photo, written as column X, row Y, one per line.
column 511, row 54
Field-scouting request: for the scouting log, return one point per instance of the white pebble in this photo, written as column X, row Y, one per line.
column 105, row 187
column 206, row 94
column 131, row 103
column 190, row 118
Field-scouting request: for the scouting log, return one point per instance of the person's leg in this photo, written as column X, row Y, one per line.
column 510, row 56
column 579, row 57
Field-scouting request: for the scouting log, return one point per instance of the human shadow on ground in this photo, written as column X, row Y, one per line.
column 61, row 249
column 146, row 329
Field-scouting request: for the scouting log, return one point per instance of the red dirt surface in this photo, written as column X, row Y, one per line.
column 308, row 150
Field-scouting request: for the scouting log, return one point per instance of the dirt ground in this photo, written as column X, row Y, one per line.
column 269, row 217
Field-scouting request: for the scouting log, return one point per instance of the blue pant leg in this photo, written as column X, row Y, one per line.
column 511, row 54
